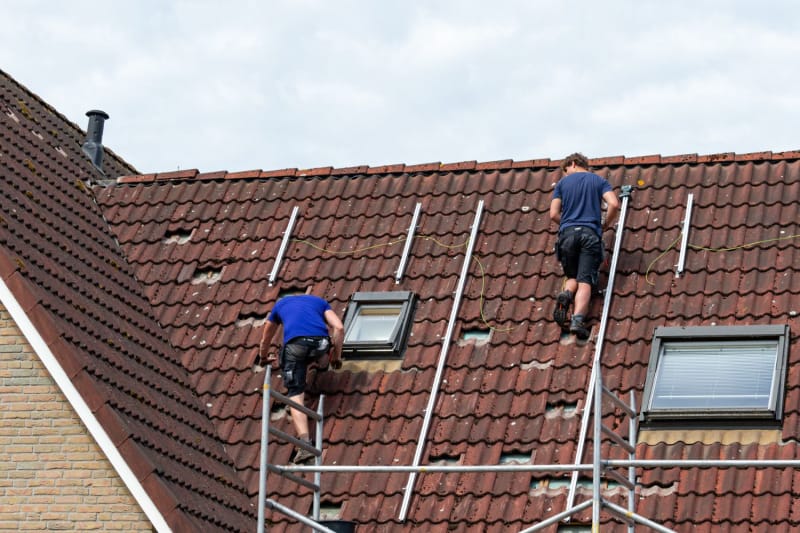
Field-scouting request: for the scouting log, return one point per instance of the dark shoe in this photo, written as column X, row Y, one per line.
column 561, row 312
column 303, row 456
column 578, row 327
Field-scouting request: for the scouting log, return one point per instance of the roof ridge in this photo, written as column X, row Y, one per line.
column 437, row 166
column 77, row 130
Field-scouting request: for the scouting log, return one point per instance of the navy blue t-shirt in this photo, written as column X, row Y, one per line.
column 302, row 315
column 581, row 194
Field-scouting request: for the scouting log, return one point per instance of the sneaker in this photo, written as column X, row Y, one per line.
column 578, row 327
column 561, row 312
column 302, row 456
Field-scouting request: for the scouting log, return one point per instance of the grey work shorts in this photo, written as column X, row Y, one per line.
column 295, row 357
column 580, row 252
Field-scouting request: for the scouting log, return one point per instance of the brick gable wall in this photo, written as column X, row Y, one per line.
column 53, row 476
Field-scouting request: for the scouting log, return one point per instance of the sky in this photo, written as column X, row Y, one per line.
column 239, row 85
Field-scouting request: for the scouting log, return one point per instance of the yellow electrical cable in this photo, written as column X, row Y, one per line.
column 483, row 270
column 647, row 272
column 483, row 289
column 429, row 238
column 748, row 245
column 707, row 249
column 348, row 252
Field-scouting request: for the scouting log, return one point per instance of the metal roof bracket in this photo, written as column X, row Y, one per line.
column 284, row 243
column 685, row 236
column 407, row 248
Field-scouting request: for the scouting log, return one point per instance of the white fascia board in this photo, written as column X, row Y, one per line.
column 81, row 408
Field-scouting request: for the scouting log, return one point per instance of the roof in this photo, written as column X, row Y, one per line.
column 513, row 396
column 195, row 253
column 67, row 272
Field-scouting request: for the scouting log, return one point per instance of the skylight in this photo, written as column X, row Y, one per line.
column 716, row 372
column 377, row 324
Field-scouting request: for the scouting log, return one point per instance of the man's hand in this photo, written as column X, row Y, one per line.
column 270, row 359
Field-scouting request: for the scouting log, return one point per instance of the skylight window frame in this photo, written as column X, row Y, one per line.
column 394, row 346
column 665, row 336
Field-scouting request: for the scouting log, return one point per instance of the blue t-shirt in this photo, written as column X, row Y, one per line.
column 302, row 315
column 581, row 194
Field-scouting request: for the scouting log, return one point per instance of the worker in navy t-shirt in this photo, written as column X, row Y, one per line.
column 577, row 208
column 311, row 330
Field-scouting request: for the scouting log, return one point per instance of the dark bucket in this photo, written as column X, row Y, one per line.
column 339, row 526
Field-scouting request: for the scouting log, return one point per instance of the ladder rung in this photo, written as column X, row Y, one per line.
column 619, row 440
column 294, row 440
column 619, row 478
column 291, row 403
column 618, row 513
column 293, row 477
column 316, row 526
column 619, row 403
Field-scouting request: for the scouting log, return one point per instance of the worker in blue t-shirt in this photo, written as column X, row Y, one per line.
column 577, row 208
column 311, row 331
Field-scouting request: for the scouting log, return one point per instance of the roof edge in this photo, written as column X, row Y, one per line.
column 469, row 166
column 81, row 408
column 76, row 127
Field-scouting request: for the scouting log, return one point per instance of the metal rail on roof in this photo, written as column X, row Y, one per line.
column 284, row 243
column 685, row 236
column 407, row 247
column 442, row 359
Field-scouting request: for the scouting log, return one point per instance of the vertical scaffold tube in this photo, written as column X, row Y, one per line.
column 262, row 473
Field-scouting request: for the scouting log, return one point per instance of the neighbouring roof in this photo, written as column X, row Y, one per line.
column 195, row 253
column 66, row 270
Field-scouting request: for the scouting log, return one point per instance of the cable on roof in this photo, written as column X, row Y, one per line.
column 708, row 249
column 437, row 242
column 483, row 290
column 349, row 252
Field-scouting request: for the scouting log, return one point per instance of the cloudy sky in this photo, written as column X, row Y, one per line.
column 239, row 85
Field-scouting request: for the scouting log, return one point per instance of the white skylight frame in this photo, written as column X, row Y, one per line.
column 377, row 324
column 748, row 364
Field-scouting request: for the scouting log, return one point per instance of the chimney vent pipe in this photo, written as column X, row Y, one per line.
column 93, row 146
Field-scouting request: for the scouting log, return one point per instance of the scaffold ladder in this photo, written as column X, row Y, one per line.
column 265, row 467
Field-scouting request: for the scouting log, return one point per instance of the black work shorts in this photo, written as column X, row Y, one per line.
column 295, row 357
column 580, row 252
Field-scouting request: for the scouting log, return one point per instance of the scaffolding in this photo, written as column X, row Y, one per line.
column 266, row 430
column 599, row 467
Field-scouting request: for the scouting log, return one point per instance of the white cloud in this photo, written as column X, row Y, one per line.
column 249, row 84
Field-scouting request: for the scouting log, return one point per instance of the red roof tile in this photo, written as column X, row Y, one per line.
column 63, row 265
column 202, row 246
column 487, row 396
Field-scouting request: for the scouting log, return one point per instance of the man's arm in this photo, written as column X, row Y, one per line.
column 266, row 337
column 337, row 334
column 555, row 210
column 612, row 209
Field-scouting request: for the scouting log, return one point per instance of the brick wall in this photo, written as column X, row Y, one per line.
column 53, row 476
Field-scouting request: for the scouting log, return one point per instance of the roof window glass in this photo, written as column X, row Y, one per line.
column 377, row 324
column 716, row 372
